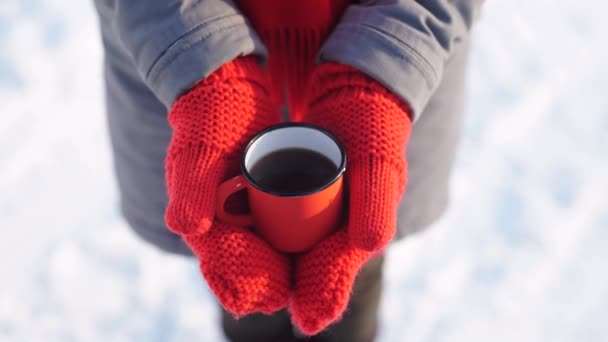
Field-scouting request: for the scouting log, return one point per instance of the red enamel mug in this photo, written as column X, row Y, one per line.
column 291, row 221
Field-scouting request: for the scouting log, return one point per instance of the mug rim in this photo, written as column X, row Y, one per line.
column 339, row 171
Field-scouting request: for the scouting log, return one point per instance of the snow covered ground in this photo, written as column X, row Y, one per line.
column 519, row 256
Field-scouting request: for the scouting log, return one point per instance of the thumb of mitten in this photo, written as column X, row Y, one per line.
column 211, row 125
column 374, row 126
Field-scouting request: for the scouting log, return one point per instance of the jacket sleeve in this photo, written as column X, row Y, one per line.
column 175, row 43
column 403, row 44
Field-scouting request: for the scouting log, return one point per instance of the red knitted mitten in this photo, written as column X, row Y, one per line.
column 211, row 124
column 374, row 126
column 324, row 281
column 242, row 270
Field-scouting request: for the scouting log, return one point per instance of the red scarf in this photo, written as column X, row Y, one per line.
column 293, row 31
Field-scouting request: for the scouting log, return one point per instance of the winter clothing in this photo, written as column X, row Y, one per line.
column 323, row 282
column 292, row 31
column 374, row 126
column 358, row 324
column 155, row 51
column 404, row 44
column 243, row 271
column 211, row 125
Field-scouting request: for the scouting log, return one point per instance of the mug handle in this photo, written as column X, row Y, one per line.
column 226, row 190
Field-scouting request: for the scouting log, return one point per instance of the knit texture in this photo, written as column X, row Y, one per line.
column 374, row 126
column 293, row 32
column 324, row 281
column 211, row 125
column 242, row 270
column 214, row 120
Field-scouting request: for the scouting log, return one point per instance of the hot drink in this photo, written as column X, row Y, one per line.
column 293, row 170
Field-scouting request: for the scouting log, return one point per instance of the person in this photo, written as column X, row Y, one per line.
column 188, row 83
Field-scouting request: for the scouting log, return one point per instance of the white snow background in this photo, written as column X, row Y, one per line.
column 519, row 256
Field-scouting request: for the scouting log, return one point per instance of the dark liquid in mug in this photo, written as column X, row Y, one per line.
column 293, row 170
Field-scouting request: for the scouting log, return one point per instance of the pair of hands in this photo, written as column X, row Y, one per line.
column 213, row 122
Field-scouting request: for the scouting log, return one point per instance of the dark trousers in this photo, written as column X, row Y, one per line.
column 358, row 324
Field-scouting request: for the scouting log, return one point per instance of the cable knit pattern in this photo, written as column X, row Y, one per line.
column 374, row 126
column 324, row 281
column 212, row 123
